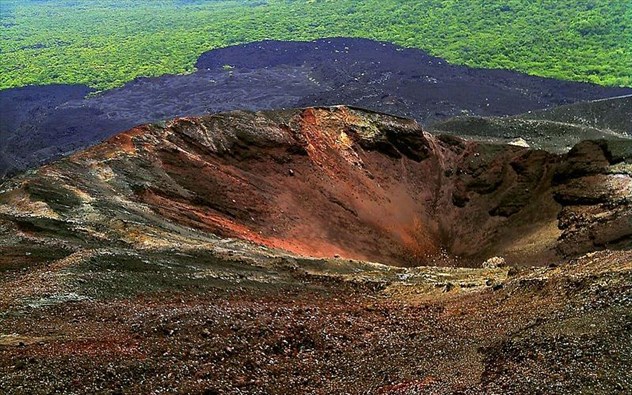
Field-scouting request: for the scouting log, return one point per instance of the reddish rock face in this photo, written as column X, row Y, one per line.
column 332, row 181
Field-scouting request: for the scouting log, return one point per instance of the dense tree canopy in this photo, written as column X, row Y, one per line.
column 105, row 43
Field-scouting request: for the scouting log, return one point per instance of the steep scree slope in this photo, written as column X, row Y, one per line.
column 330, row 180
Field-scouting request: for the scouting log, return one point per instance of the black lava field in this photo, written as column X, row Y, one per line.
column 42, row 123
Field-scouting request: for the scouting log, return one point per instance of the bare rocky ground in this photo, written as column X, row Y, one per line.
column 138, row 322
column 232, row 253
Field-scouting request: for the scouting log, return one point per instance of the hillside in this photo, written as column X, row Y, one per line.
column 236, row 253
column 555, row 130
column 67, row 42
column 612, row 114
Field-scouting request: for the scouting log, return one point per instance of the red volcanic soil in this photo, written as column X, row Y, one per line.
column 551, row 329
column 334, row 181
column 315, row 196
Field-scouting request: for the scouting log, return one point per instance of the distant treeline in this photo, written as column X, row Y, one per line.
column 105, row 43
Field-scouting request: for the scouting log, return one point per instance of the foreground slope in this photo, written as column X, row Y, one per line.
column 167, row 259
column 192, row 322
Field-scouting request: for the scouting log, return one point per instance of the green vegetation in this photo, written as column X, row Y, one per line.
column 105, row 43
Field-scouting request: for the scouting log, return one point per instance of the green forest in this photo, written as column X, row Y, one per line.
column 105, row 43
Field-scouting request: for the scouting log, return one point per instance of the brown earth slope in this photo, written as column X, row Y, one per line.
column 187, row 322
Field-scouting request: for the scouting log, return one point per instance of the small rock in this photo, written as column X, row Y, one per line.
column 494, row 263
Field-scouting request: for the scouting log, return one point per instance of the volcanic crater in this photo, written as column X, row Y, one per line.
column 332, row 181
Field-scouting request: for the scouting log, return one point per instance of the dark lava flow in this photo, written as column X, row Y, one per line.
column 38, row 124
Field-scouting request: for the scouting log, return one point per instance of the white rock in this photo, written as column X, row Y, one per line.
column 494, row 263
column 520, row 142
